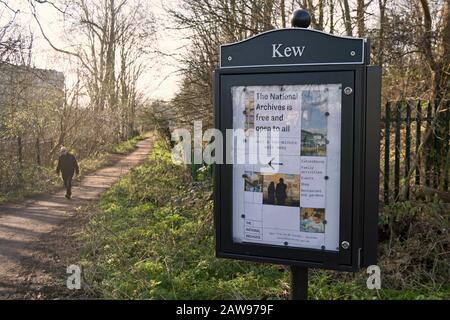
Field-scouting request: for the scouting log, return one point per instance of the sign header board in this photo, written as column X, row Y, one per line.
column 290, row 47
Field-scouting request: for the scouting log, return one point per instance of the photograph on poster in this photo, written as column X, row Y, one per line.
column 253, row 181
column 249, row 111
column 314, row 122
column 281, row 189
column 312, row 220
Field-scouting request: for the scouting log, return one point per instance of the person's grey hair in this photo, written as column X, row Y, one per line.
column 63, row 150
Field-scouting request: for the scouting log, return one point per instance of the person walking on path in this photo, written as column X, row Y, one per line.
column 68, row 166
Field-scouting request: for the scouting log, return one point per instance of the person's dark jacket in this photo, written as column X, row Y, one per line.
column 67, row 165
column 280, row 192
column 271, row 194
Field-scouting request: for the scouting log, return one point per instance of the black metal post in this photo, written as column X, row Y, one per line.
column 299, row 283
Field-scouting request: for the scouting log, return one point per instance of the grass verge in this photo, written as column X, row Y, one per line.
column 152, row 238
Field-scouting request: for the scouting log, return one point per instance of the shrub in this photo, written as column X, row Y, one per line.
column 415, row 244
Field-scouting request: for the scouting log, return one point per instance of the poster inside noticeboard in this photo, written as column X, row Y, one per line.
column 286, row 166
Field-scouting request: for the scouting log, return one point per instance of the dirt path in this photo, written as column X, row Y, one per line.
column 31, row 229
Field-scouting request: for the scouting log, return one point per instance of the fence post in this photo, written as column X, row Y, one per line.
column 446, row 141
column 387, row 142
column 437, row 147
column 418, row 137
column 397, row 152
column 407, row 147
column 428, row 144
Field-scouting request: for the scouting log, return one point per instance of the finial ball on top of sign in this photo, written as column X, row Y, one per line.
column 301, row 19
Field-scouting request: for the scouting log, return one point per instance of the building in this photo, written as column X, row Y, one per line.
column 21, row 84
column 21, row 87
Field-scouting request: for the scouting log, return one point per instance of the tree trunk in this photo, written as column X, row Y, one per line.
column 360, row 7
column 331, row 5
column 19, row 151
column 347, row 18
column 380, row 49
column 267, row 15
column 110, row 58
column 38, row 151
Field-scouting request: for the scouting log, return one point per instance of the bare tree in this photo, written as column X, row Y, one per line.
column 345, row 7
column 12, row 40
column 113, row 38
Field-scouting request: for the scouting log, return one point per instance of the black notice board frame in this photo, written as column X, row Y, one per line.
column 359, row 162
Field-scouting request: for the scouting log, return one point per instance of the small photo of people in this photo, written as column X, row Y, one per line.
column 281, row 190
column 253, row 181
column 311, row 220
column 314, row 123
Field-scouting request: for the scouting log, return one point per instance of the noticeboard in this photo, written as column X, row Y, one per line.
column 301, row 188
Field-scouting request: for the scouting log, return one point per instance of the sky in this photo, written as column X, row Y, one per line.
column 160, row 82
